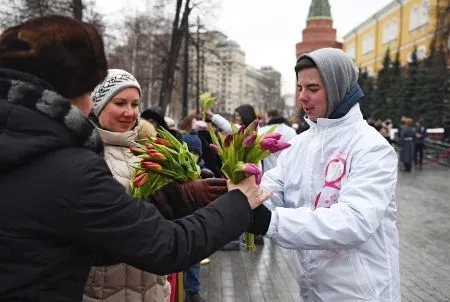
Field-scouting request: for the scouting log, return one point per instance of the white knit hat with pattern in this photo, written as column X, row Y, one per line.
column 115, row 81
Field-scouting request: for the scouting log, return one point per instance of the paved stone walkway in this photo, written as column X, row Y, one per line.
column 424, row 227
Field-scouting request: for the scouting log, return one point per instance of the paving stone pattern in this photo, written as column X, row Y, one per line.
column 423, row 200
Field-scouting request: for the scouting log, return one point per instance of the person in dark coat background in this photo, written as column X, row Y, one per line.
column 407, row 144
column 421, row 135
column 155, row 116
column 61, row 210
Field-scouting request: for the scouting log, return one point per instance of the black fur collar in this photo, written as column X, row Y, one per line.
column 25, row 90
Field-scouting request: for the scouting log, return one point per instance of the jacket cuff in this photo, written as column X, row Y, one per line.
column 273, row 226
column 261, row 220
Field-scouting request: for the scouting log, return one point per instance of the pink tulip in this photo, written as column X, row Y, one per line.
column 278, row 147
column 228, row 139
column 267, row 143
column 249, row 140
column 214, row 148
column 274, row 135
column 258, row 178
column 253, row 170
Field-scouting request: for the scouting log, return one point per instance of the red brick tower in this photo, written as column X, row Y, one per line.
column 319, row 31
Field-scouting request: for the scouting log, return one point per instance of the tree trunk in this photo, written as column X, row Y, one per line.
column 77, row 9
column 174, row 52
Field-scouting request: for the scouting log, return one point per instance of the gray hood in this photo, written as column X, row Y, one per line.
column 338, row 71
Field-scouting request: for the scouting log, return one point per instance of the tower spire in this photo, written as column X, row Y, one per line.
column 319, row 9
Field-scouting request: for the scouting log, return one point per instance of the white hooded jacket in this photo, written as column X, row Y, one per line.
column 334, row 204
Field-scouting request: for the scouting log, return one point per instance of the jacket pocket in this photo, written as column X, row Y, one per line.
column 363, row 276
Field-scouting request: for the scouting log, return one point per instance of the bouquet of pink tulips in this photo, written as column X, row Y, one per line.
column 240, row 153
column 161, row 159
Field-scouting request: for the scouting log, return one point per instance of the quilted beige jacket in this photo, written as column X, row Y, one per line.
column 122, row 282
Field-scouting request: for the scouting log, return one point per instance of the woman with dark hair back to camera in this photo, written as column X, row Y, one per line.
column 61, row 208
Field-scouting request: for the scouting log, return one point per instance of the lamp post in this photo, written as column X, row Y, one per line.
column 186, row 71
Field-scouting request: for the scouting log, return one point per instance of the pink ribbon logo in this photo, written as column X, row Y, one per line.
column 334, row 173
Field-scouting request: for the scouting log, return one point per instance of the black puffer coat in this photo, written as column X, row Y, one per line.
column 60, row 207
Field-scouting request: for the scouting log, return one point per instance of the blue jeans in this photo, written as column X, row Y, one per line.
column 192, row 276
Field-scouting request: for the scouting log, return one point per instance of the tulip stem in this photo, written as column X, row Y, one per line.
column 250, row 242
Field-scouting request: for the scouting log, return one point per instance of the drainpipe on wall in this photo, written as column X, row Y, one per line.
column 375, row 17
column 400, row 25
column 356, row 46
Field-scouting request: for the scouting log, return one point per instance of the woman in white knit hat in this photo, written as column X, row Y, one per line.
column 116, row 112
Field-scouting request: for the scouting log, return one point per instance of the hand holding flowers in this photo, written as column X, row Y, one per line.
column 206, row 102
column 241, row 151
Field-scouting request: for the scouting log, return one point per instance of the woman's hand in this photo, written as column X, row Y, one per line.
column 251, row 190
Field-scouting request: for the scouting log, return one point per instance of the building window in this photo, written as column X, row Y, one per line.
column 390, row 31
column 419, row 15
column 386, row 29
column 424, row 12
column 368, row 44
column 394, row 30
column 351, row 51
column 414, row 18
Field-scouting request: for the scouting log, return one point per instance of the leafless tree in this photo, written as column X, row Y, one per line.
column 16, row 11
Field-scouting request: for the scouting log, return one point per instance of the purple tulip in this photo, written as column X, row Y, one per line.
column 258, row 178
column 241, row 129
column 214, row 148
column 274, row 135
column 267, row 143
column 251, row 169
column 249, row 140
column 228, row 139
column 279, row 146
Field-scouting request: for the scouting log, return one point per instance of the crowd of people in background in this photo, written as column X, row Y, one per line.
column 409, row 138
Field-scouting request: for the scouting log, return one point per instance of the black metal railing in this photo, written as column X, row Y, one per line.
column 437, row 152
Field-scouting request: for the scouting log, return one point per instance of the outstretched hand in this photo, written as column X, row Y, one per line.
column 255, row 195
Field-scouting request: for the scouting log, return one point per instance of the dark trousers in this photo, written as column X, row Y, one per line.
column 419, row 154
column 408, row 167
column 192, row 277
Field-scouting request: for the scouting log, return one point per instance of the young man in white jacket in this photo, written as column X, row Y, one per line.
column 334, row 191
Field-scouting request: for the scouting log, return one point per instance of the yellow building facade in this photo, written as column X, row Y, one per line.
column 400, row 26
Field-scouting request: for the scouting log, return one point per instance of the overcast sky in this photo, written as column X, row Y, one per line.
column 267, row 30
